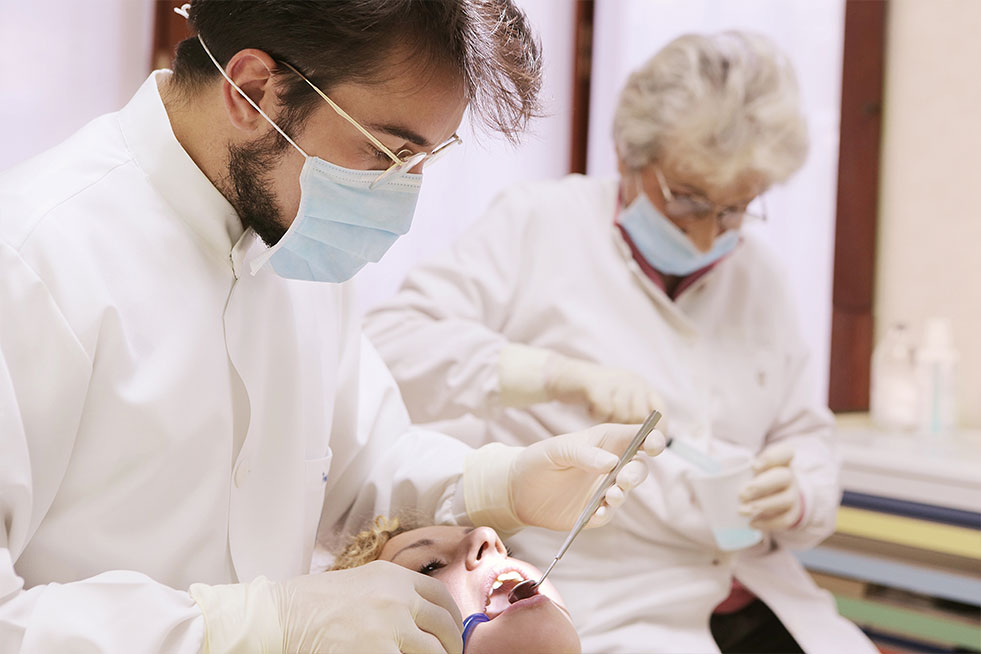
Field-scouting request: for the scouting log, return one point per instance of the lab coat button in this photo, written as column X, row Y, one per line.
column 716, row 561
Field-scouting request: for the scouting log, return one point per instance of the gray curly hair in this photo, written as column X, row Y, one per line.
column 719, row 107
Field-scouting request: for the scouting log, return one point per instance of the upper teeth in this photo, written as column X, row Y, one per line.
column 506, row 576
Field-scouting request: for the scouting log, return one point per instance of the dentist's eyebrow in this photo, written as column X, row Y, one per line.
column 402, row 132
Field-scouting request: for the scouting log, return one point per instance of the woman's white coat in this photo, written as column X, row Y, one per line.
column 546, row 267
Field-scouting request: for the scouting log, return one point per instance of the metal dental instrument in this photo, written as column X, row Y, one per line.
column 527, row 587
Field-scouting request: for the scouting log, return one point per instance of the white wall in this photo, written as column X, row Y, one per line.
column 802, row 212
column 64, row 62
column 929, row 233
column 458, row 189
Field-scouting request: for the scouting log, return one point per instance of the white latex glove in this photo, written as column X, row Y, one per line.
column 378, row 607
column 548, row 484
column 611, row 394
column 529, row 375
column 772, row 497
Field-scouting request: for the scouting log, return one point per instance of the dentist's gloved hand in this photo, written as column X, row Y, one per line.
column 529, row 375
column 772, row 497
column 378, row 607
column 548, row 484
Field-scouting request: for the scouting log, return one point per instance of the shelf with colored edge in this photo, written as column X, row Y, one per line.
column 937, row 470
column 893, row 643
column 912, row 532
column 910, row 622
column 919, row 510
column 897, row 574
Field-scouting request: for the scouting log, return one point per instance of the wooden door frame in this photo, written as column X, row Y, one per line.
column 169, row 29
column 853, row 296
column 582, row 67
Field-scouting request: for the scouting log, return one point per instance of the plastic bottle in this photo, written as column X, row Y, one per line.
column 936, row 362
column 893, row 391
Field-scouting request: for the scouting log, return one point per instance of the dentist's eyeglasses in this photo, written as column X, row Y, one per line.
column 403, row 160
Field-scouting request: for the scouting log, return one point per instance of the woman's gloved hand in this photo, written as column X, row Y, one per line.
column 529, row 375
column 548, row 484
column 378, row 607
column 772, row 497
column 611, row 394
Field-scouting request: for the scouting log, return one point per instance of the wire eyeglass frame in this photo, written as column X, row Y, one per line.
column 402, row 160
column 688, row 209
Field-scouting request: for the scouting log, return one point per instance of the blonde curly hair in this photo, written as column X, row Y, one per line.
column 367, row 545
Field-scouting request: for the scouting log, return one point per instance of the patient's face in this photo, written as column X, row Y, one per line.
column 474, row 565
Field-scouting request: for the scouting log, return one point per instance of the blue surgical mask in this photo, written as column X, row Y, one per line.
column 342, row 223
column 664, row 246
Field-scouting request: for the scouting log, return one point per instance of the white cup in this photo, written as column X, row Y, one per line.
column 718, row 495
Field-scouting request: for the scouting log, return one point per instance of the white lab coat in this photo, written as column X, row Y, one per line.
column 546, row 267
column 166, row 417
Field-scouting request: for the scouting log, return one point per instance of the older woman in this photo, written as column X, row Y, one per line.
column 585, row 299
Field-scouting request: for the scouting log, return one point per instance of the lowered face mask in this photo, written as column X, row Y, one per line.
column 342, row 223
column 664, row 246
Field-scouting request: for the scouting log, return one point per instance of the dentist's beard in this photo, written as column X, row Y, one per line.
column 249, row 188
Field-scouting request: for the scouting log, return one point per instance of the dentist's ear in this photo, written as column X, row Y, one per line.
column 252, row 71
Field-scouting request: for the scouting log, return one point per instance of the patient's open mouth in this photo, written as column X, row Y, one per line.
column 497, row 596
column 499, row 583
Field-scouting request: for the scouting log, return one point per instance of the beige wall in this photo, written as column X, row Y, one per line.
column 929, row 238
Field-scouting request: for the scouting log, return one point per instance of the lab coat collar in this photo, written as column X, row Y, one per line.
column 150, row 138
column 656, row 276
column 670, row 309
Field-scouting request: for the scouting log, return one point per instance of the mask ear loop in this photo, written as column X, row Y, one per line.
column 260, row 260
column 184, row 10
column 250, row 100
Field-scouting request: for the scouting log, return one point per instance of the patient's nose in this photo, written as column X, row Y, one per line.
column 481, row 543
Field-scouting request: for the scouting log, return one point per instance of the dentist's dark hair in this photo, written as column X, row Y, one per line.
column 487, row 44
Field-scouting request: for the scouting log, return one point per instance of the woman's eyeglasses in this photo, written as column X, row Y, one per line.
column 687, row 209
